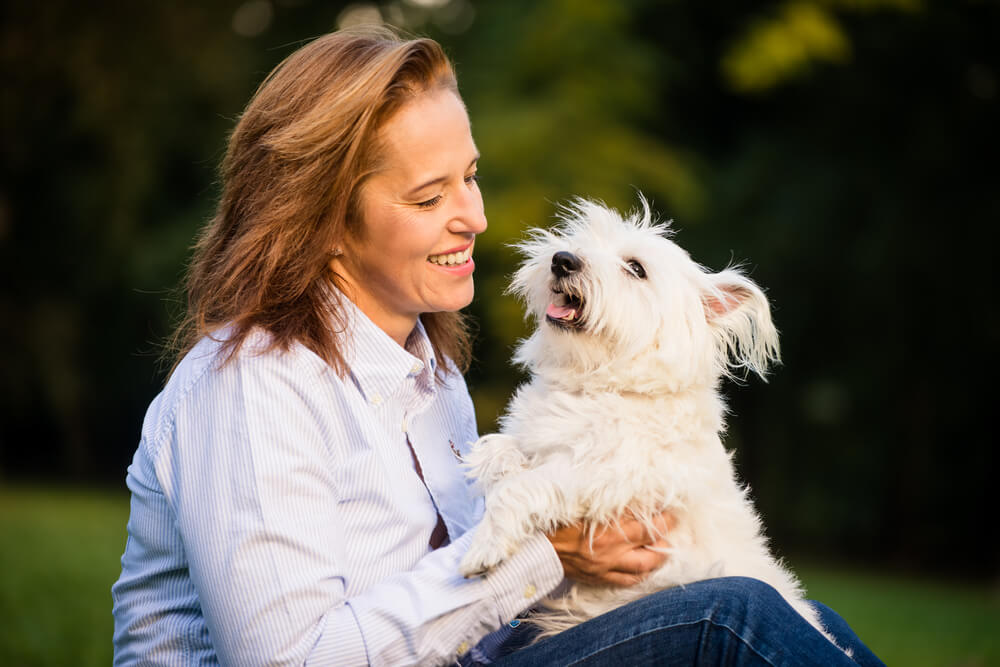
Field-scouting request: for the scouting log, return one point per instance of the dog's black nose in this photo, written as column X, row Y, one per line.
column 565, row 263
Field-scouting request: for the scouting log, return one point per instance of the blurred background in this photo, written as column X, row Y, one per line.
column 845, row 150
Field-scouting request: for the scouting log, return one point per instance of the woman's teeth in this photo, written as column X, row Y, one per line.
column 451, row 258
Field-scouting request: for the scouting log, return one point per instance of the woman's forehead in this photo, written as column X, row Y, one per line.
column 428, row 133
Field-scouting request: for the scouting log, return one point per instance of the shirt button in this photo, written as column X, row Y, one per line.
column 376, row 399
column 417, row 367
column 529, row 590
column 463, row 648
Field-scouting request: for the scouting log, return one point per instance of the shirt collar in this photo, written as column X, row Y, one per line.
column 376, row 362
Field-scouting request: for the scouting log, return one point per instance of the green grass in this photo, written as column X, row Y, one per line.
column 59, row 555
column 913, row 621
column 60, row 550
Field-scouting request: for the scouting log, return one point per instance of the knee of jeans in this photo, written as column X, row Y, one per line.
column 743, row 596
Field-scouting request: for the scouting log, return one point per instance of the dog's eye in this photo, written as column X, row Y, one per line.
column 636, row 268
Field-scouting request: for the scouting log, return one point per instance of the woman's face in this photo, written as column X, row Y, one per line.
column 420, row 215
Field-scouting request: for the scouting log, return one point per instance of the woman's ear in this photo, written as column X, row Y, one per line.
column 740, row 318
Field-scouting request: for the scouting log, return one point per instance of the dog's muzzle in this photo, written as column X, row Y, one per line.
column 566, row 309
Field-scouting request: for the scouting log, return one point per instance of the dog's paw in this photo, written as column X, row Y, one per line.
column 495, row 456
column 480, row 559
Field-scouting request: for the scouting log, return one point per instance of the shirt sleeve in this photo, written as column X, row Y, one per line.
column 251, row 483
column 431, row 615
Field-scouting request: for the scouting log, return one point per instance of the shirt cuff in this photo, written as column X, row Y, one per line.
column 525, row 578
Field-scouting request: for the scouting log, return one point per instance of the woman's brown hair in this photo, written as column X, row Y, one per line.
column 291, row 180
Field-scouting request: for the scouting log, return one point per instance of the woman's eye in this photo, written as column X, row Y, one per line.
column 636, row 268
column 434, row 201
column 430, row 203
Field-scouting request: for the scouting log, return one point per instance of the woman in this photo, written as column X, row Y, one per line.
column 296, row 494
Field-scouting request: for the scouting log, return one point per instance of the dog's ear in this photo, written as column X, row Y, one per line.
column 740, row 318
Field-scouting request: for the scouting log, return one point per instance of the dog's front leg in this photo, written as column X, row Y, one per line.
column 493, row 457
column 517, row 507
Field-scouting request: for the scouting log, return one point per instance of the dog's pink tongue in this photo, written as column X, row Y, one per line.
column 560, row 312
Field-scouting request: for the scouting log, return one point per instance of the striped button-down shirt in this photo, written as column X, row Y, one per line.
column 277, row 517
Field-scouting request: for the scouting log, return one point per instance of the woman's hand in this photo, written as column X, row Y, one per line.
column 617, row 556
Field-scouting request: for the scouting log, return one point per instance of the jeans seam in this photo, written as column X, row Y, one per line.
column 675, row 625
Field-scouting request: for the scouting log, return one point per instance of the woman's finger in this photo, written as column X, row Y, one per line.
column 639, row 532
column 620, row 579
column 640, row 562
column 627, row 529
column 664, row 522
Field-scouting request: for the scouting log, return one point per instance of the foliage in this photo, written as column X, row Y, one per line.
column 844, row 148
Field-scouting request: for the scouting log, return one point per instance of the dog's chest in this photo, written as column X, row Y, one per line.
column 599, row 426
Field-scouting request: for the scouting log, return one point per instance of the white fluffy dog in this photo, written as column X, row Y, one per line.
column 623, row 410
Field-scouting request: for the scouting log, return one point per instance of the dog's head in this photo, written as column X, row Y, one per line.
column 620, row 303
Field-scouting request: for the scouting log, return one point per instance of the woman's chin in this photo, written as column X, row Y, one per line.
column 453, row 302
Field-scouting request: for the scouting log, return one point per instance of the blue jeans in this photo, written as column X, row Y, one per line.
column 726, row 621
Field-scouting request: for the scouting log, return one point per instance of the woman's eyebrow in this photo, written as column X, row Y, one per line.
column 433, row 181
column 439, row 179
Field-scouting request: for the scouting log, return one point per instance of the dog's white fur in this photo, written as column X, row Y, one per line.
column 623, row 411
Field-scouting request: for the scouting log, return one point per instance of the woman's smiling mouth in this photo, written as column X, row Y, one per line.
column 454, row 258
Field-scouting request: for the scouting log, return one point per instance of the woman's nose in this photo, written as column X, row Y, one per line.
column 470, row 216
